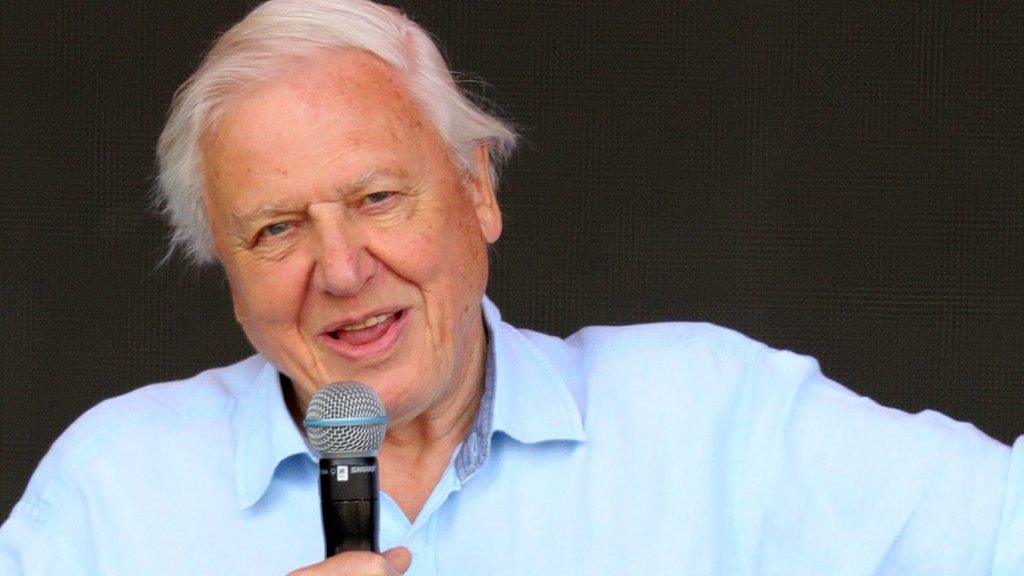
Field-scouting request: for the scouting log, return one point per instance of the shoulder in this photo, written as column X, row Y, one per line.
column 774, row 402
column 96, row 475
column 676, row 376
column 681, row 355
column 663, row 341
column 144, row 419
column 654, row 345
column 701, row 372
column 708, row 367
column 210, row 394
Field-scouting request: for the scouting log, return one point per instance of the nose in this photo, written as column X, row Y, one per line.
column 343, row 263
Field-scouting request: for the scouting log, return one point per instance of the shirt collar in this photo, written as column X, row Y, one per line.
column 266, row 435
column 524, row 397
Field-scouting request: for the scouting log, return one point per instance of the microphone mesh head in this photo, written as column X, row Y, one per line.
column 346, row 400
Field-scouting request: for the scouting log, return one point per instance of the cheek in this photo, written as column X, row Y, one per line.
column 269, row 296
column 413, row 255
column 443, row 262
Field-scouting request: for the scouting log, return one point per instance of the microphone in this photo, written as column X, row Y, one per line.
column 346, row 423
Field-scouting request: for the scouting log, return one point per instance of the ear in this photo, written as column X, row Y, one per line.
column 236, row 303
column 482, row 196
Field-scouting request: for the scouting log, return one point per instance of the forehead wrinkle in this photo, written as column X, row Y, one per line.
column 374, row 174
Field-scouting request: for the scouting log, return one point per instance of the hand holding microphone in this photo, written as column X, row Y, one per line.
column 346, row 424
column 393, row 562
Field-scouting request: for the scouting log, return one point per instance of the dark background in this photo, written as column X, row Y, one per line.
column 842, row 180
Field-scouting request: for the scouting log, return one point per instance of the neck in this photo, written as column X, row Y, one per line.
column 447, row 421
column 415, row 454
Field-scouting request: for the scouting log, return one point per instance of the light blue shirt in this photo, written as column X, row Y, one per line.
column 657, row 449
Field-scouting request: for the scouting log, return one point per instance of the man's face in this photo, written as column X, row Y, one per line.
column 354, row 247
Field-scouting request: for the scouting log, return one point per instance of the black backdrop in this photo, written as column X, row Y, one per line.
column 842, row 180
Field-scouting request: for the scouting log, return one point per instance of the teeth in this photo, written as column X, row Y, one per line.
column 371, row 321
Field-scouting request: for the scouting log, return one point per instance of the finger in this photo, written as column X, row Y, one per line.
column 400, row 558
column 353, row 564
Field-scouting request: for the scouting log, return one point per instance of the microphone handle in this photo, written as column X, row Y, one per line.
column 349, row 504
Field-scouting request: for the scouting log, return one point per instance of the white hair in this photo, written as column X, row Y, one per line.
column 267, row 43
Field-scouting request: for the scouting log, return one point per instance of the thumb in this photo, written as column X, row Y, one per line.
column 400, row 558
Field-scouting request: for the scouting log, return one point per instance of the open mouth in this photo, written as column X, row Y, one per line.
column 365, row 331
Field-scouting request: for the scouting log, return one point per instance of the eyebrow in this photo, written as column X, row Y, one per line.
column 239, row 220
column 272, row 209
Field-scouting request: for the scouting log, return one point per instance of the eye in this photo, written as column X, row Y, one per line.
column 275, row 229
column 377, row 197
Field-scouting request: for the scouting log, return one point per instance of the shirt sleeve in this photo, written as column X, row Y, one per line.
column 35, row 540
column 1009, row 556
column 49, row 531
column 846, row 486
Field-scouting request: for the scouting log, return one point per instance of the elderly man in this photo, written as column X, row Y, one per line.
column 324, row 157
